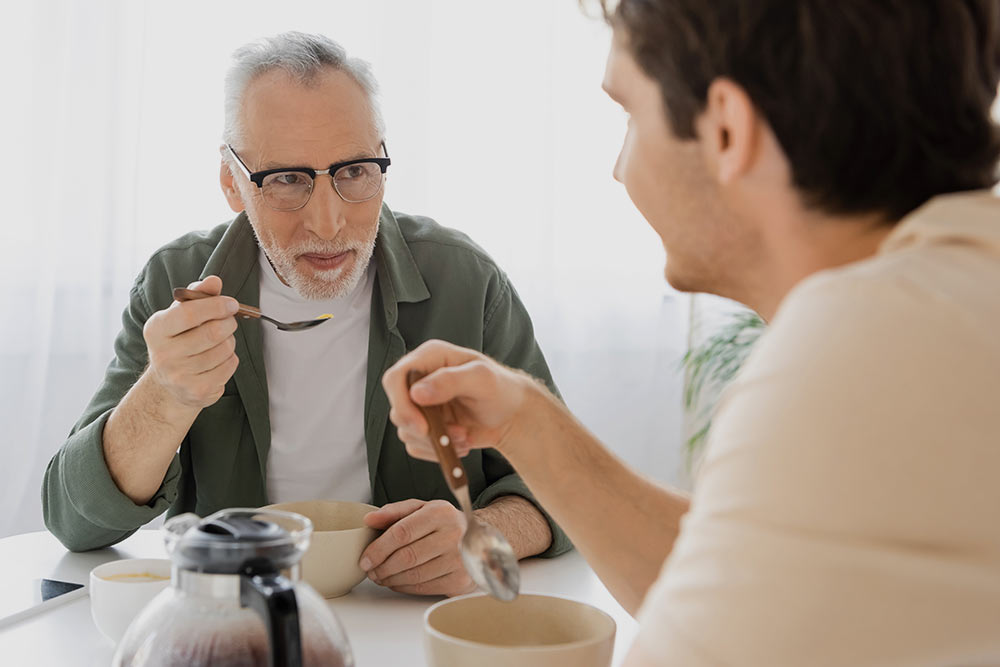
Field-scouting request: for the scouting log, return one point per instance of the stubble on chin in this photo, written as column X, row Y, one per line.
column 312, row 284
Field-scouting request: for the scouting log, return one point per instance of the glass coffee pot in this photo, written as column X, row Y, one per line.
column 235, row 599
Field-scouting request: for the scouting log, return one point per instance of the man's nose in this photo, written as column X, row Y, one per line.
column 326, row 212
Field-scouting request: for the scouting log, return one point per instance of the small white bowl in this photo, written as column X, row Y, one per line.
column 120, row 589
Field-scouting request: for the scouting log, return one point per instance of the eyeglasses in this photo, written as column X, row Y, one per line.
column 289, row 188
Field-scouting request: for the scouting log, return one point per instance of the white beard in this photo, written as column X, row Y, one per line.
column 318, row 284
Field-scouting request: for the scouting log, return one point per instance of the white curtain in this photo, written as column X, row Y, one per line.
column 496, row 126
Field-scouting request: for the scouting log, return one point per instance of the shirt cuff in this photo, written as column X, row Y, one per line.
column 93, row 493
column 513, row 485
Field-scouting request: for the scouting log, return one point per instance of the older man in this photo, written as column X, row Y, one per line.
column 829, row 164
column 200, row 411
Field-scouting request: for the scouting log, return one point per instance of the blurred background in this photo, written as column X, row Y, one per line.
column 497, row 126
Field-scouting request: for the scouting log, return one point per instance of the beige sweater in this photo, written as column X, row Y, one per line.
column 848, row 508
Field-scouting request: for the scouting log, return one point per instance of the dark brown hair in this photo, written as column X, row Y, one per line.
column 878, row 104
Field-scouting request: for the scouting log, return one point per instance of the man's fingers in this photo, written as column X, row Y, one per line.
column 192, row 314
column 404, row 412
column 457, row 433
column 417, row 444
column 398, row 535
column 221, row 373
column 205, row 337
column 438, row 566
column 420, row 447
column 445, row 384
column 215, row 356
column 210, row 285
column 390, row 513
column 427, row 358
column 199, row 364
column 413, row 555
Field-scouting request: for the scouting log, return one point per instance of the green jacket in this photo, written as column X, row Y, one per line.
column 431, row 282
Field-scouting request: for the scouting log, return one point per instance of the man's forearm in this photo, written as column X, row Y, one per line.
column 521, row 523
column 142, row 435
column 623, row 524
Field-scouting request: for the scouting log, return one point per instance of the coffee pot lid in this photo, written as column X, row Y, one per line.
column 226, row 541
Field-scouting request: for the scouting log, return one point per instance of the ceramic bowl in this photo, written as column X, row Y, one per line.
column 531, row 631
column 330, row 565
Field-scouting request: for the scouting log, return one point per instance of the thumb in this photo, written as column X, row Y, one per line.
column 210, row 285
column 389, row 514
column 468, row 380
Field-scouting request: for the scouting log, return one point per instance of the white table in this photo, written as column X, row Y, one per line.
column 384, row 628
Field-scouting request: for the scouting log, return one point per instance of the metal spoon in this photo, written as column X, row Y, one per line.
column 486, row 553
column 247, row 312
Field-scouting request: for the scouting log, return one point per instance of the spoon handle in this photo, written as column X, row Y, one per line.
column 451, row 465
column 183, row 294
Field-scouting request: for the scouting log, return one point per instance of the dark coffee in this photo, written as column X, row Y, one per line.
column 242, row 644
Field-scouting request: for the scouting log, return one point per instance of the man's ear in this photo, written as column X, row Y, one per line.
column 728, row 129
column 229, row 188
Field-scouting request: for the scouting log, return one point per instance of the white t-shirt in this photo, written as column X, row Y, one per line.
column 848, row 508
column 316, row 389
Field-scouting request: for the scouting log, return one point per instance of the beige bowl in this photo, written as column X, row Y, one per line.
column 531, row 631
column 330, row 565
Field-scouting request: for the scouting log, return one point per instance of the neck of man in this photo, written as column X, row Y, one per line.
column 805, row 242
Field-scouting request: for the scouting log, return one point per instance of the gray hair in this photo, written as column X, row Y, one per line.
column 301, row 55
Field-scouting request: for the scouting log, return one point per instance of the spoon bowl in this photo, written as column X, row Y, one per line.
column 490, row 561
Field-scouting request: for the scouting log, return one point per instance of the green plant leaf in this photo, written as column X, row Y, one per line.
column 710, row 366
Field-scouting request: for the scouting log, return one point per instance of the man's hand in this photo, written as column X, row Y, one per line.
column 484, row 400
column 418, row 552
column 191, row 346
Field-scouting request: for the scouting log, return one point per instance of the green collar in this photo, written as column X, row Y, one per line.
column 394, row 258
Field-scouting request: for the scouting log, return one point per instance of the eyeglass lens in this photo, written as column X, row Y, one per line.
column 288, row 190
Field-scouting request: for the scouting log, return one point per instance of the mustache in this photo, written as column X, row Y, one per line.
column 313, row 248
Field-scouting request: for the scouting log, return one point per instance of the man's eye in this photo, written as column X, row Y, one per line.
column 354, row 171
column 291, row 178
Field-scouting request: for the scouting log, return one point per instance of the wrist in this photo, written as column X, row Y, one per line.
column 161, row 403
column 521, row 522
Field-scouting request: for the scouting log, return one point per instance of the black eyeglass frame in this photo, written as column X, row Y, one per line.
column 257, row 177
